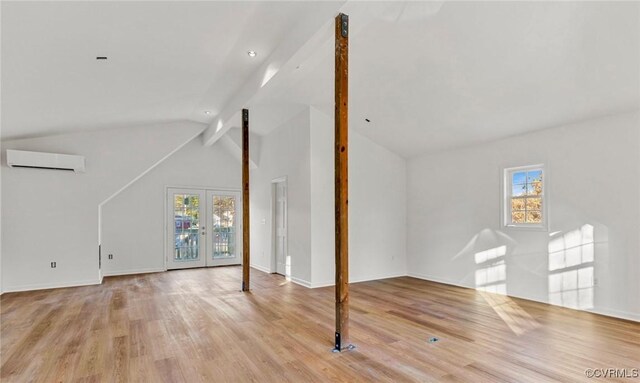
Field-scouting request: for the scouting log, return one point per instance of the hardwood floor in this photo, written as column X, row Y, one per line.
column 195, row 325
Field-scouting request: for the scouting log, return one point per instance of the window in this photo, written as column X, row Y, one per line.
column 524, row 197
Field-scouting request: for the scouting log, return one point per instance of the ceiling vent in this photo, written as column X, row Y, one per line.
column 39, row 160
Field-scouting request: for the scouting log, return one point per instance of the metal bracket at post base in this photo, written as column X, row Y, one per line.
column 338, row 345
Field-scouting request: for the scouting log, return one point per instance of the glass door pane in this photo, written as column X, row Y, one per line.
column 224, row 228
column 224, row 220
column 186, row 234
column 186, row 219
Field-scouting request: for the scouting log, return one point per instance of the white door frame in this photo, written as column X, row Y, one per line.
column 274, row 260
column 204, row 250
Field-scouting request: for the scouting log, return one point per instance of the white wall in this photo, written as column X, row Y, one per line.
column 377, row 207
column 302, row 150
column 592, row 179
column 128, row 171
column 1, row 288
column 322, row 199
column 133, row 223
column 284, row 152
column 53, row 216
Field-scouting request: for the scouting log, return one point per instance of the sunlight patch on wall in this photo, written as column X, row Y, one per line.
column 490, row 254
column 492, row 274
column 571, row 269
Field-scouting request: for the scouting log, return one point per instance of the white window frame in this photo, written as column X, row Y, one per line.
column 507, row 193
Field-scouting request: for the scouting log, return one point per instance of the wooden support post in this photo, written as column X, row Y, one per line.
column 246, row 260
column 341, row 182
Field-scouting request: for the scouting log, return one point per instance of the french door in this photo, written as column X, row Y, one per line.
column 204, row 228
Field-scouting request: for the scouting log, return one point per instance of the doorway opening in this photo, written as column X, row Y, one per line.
column 281, row 261
column 203, row 228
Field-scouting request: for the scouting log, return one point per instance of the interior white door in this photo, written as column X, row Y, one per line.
column 186, row 231
column 283, row 264
column 224, row 219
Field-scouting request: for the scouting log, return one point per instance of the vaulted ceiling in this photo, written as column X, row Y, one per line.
column 165, row 60
column 433, row 78
column 428, row 76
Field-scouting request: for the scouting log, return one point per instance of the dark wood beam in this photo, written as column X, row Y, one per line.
column 341, row 182
column 246, row 259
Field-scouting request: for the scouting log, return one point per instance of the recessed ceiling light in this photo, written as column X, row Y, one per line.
column 207, row 112
column 252, row 53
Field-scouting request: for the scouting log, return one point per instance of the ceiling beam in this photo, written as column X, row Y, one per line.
column 301, row 31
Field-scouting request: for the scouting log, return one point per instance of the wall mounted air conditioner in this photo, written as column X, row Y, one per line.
column 38, row 160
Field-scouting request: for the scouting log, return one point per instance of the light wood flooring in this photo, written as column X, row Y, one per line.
column 196, row 326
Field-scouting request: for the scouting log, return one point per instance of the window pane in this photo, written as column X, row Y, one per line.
column 517, row 204
column 534, row 188
column 534, row 176
column 519, row 178
column 534, row 203
column 519, row 190
column 517, row 216
column 534, row 216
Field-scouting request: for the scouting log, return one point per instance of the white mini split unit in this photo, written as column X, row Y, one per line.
column 38, row 160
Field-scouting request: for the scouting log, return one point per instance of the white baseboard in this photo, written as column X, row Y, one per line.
column 134, row 271
column 318, row 285
column 159, row 270
column 263, row 269
column 438, row 280
column 616, row 314
column 47, row 286
column 301, row 282
column 295, row 280
column 600, row 310
column 358, row 280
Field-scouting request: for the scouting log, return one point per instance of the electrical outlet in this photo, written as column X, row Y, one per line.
column 595, row 281
column 110, row 256
column 53, row 265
